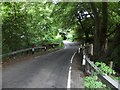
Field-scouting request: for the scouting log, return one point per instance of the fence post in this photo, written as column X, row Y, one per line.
column 111, row 64
column 92, row 70
column 91, row 51
column 106, row 45
column 33, row 49
column 83, row 64
column 45, row 48
column 78, row 50
column 88, row 67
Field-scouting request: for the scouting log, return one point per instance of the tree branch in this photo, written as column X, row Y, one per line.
column 111, row 33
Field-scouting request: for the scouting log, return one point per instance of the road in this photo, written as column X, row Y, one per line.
column 46, row 71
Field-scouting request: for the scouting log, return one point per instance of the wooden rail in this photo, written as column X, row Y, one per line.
column 90, row 67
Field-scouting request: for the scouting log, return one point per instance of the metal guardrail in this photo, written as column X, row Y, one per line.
column 21, row 51
column 45, row 46
column 90, row 67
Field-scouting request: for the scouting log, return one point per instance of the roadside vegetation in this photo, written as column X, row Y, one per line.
column 93, row 81
column 40, row 23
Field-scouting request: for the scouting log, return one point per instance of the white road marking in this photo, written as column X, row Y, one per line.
column 69, row 73
column 69, row 78
column 72, row 58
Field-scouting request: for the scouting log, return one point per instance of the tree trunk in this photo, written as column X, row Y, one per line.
column 97, row 29
column 100, row 29
column 103, row 30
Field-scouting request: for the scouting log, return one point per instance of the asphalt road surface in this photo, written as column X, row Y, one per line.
column 47, row 71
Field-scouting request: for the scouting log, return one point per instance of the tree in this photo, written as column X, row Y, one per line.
column 42, row 23
column 25, row 24
column 100, row 28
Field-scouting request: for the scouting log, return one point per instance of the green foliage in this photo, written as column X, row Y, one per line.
column 40, row 23
column 27, row 23
column 115, row 78
column 105, row 69
column 115, row 56
column 68, row 19
column 93, row 82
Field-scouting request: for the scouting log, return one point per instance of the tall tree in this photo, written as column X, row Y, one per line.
column 100, row 28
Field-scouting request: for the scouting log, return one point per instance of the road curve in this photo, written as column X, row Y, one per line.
column 47, row 71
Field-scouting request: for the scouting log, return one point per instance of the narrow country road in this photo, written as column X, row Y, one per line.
column 47, row 71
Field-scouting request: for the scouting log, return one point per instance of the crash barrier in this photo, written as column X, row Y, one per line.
column 89, row 67
column 50, row 45
column 22, row 51
column 29, row 50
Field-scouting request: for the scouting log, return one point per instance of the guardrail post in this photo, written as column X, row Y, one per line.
column 106, row 44
column 53, row 46
column 91, row 69
column 45, row 48
column 84, row 64
column 111, row 64
column 78, row 50
column 88, row 68
column 91, row 47
column 33, row 50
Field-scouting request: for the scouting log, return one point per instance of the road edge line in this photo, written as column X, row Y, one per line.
column 69, row 73
column 71, row 61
